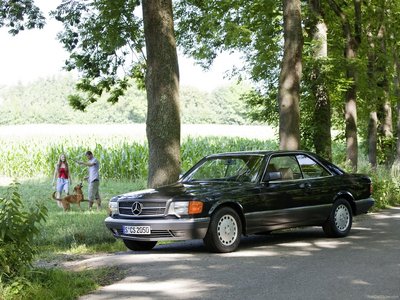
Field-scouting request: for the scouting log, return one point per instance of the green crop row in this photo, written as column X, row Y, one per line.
column 119, row 158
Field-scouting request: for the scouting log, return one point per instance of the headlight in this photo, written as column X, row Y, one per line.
column 181, row 208
column 113, row 206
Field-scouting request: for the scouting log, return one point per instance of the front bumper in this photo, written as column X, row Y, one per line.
column 161, row 230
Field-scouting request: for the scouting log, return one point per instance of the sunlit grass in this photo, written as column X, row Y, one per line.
column 54, row 283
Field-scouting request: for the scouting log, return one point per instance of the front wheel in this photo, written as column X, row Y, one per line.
column 224, row 232
column 139, row 245
column 340, row 220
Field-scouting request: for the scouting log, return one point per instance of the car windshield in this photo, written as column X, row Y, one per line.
column 228, row 168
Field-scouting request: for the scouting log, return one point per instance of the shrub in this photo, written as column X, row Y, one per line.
column 18, row 226
column 385, row 184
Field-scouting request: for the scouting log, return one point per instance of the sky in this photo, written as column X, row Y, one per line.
column 36, row 54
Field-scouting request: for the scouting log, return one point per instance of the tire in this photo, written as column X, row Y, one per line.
column 224, row 231
column 139, row 245
column 340, row 220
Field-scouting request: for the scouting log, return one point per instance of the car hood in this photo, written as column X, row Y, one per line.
column 198, row 190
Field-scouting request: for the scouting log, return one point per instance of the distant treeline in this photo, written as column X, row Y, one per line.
column 45, row 101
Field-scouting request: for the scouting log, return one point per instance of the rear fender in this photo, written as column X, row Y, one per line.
column 347, row 196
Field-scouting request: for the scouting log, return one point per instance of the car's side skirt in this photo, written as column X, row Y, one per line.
column 286, row 218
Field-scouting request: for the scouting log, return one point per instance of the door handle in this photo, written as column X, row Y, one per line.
column 306, row 186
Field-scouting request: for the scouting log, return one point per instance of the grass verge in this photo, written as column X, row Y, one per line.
column 54, row 283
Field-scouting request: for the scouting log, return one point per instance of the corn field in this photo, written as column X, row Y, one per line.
column 120, row 157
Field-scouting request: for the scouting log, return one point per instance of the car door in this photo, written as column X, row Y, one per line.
column 318, row 185
column 279, row 196
column 295, row 190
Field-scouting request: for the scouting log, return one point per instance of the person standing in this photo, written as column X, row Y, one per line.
column 93, row 179
column 62, row 178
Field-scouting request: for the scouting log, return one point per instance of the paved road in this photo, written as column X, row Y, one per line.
column 295, row 264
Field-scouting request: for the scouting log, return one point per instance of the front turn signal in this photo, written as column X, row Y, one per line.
column 195, row 207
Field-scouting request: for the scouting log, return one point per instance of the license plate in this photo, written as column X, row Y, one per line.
column 136, row 230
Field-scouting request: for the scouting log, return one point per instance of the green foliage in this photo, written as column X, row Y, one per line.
column 193, row 149
column 104, row 39
column 252, row 27
column 49, row 102
column 78, row 231
column 76, row 101
column 18, row 227
column 386, row 150
column 119, row 158
column 224, row 105
column 59, row 284
column 126, row 160
column 20, row 14
column 386, row 185
column 263, row 108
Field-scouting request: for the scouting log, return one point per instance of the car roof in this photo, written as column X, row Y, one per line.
column 261, row 152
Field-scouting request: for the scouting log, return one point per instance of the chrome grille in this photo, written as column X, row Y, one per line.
column 149, row 208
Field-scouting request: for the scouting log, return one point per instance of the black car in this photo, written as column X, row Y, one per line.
column 226, row 195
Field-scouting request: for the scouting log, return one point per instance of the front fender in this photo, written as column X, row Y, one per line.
column 233, row 204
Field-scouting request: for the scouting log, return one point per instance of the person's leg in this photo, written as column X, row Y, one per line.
column 96, row 195
column 90, row 194
column 66, row 186
column 59, row 189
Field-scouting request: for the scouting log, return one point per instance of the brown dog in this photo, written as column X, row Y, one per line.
column 76, row 198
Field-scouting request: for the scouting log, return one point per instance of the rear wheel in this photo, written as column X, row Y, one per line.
column 139, row 245
column 224, row 231
column 340, row 220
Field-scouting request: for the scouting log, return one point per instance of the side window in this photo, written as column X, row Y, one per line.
column 282, row 168
column 219, row 169
column 310, row 168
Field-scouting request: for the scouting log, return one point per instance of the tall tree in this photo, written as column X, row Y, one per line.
column 381, row 72
column 106, row 41
column 352, row 38
column 396, row 82
column 397, row 95
column 395, row 170
column 208, row 27
column 373, row 115
column 377, row 20
column 162, row 85
column 322, row 113
column 290, row 76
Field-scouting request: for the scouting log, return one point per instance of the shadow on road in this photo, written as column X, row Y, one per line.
column 292, row 264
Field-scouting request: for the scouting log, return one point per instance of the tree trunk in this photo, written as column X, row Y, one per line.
column 322, row 112
column 385, row 111
column 162, row 86
column 289, row 79
column 351, row 116
column 386, row 121
column 396, row 164
column 373, row 116
column 395, row 171
column 352, row 41
column 372, row 138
